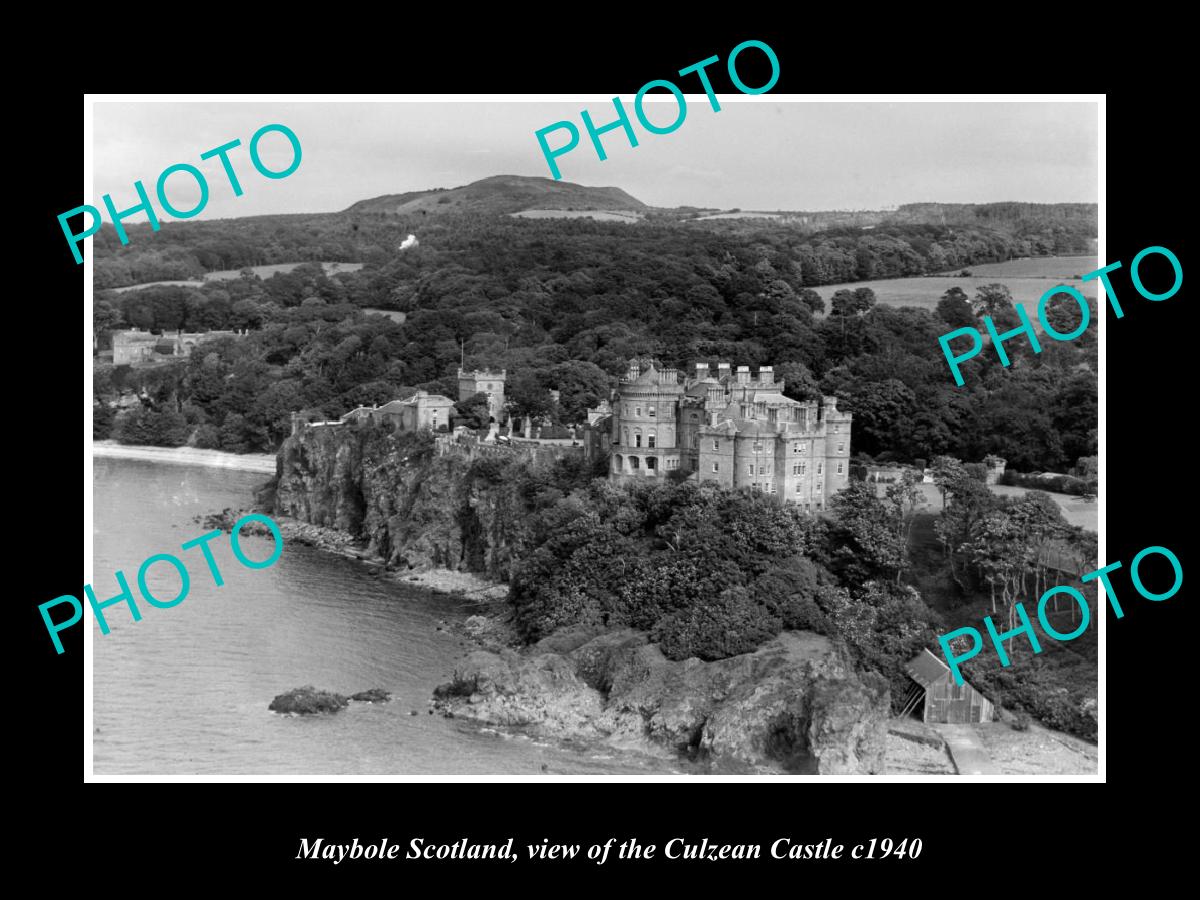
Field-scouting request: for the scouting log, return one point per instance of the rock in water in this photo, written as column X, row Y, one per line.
column 308, row 701
column 794, row 705
column 374, row 695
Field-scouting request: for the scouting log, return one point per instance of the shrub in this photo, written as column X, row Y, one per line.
column 208, row 437
column 156, row 428
column 730, row 624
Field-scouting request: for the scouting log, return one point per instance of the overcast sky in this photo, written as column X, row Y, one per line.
column 763, row 154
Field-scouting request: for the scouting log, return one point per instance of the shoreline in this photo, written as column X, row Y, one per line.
column 262, row 463
column 451, row 582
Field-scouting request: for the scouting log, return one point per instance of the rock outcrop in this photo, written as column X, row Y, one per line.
column 402, row 502
column 374, row 695
column 308, row 701
column 794, row 705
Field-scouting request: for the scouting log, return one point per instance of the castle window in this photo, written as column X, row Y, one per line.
column 841, row 446
column 751, row 468
column 798, row 489
column 651, row 411
column 637, row 439
column 695, row 441
column 716, row 446
column 798, row 469
column 651, row 462
column 771, row 488
column 639, row 411
column 819, row 468
column 716, row 467
column 695, row 417
column 835, row 429
column 758, row 446
column 650, row 441
column 762, row 470
column 634, row 462
column 839, row 471
column 796, row 448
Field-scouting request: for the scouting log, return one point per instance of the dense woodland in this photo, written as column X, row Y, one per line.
column 564, row 304
column 712, row 572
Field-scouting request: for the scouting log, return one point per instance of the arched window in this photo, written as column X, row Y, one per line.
column 650, row 440
column 637, row 437
column 634, row 462
column 618, row 463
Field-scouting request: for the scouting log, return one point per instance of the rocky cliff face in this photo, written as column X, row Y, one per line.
column 407, row 504
column 794, row 705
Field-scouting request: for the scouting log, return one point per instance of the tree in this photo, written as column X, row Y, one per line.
column 867, row 536
column 812, row 300
column 995, row 301
column 473, row 411
column 955, row 309
column 798, row 381
column 527, row 395
column 904, row 499
column 105, row 317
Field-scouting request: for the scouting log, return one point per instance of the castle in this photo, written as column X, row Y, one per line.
column 730, row 428
column 136, row 346
column 489, row 383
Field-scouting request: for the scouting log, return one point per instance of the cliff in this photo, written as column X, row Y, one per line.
column 794, row 705
column 405, row 502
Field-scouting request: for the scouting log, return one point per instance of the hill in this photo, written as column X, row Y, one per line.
column 498, row 195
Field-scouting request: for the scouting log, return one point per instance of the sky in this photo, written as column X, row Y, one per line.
column 759, row 153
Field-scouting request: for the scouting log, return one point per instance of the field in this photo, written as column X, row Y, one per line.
column 331, row 268
column 393, row 314
column 1028, row 279
column 597, row 214
column 1085, row 514
column 741, row 215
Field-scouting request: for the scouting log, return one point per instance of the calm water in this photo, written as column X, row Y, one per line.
column 185, row 690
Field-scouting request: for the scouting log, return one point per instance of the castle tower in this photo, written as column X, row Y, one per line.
column 484, row 382
column 836, row 425
column 645, row 422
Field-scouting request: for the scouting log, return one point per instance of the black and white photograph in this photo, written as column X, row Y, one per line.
column 424, row 448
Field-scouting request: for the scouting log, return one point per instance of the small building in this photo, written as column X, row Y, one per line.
column 358, row 415
column 133, row 346
column 995, row 466
column 488, row 383
column 421, row 410
column 939, row 698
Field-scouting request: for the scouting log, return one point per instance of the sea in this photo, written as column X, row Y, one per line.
column 185, row 690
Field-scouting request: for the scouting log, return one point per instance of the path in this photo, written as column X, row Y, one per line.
column 967, row 750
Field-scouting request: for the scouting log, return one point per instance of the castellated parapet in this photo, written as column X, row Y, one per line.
column 484, row 382
column 732, row 426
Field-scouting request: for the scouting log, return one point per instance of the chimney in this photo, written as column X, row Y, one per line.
column 830, row 405
column 702, row 371
column 722, row 369
column 766, row 374
column 743, row 374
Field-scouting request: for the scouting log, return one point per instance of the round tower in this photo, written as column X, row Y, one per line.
column 645, row 422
